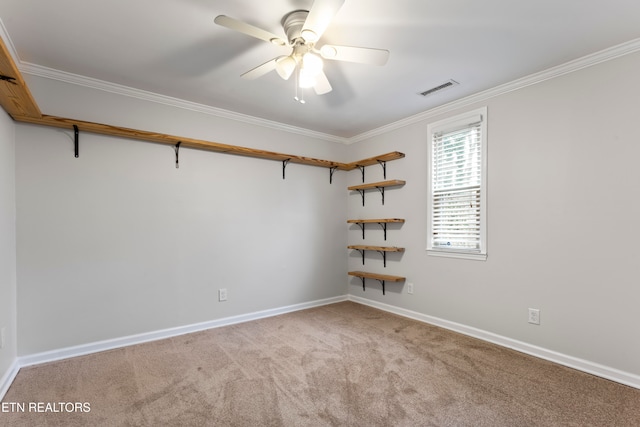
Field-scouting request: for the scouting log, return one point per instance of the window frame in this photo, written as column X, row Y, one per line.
column 448, row 125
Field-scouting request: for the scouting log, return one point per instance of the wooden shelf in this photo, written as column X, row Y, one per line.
column 376, row 248
column 394, row 155
column 374, row 221
column 382, row 278
column 382, row 222
column 381, row 249
column 380, row 186
column 386, row 277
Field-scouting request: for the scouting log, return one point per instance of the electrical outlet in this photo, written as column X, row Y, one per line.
column 410, row 288
column 3, row 332
column 534, row 316
column 222, row 294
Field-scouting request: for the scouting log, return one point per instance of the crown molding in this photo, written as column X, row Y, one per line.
column 532, row 79
column 75, row 79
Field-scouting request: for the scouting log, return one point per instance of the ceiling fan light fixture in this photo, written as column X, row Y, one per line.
column 285, row 67
column 312, row 63
column 310, row 68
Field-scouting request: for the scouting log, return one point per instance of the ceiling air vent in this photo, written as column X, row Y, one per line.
column 444, row 85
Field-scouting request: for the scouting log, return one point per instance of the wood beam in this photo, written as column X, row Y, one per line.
column 15, row 96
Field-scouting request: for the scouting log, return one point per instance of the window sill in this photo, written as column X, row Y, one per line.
column 457, row 254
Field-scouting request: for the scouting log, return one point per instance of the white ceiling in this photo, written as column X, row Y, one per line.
column 173, row 48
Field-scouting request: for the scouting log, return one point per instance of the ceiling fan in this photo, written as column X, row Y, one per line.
column 303, row 29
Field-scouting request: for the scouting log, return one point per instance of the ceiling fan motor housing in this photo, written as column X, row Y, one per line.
column 293, row 23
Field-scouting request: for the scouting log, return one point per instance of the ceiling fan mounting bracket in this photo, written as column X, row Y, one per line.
column 292, row 24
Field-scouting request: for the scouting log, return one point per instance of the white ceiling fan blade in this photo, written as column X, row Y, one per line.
column 362, row 55
column 261, row 69
column 250, row 30
column 319, row 18
column 322, row 85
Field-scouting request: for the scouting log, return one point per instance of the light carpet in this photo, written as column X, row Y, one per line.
column 343, row 364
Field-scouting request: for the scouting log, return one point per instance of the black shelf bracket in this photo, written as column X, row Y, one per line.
column 381, row 190
column 363, row 288
column 384, row 258
column 332, row 169
column 177, row 150
column 381, row 224
column 361, row 170
column 75, row 141
column 285, row 162
column 384, row 168
column 362, row 251
column 379, row 280
column 361, row 191
column 362, row 194
column 384, row 227
column 383, row 253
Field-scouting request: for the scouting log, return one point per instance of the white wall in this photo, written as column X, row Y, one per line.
column 7, row 243
column 563, row 227
column 120, row 242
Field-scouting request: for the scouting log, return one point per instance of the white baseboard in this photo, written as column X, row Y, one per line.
column 84, row 349
column 8, row 377
column 612, row 374
column 607, row 372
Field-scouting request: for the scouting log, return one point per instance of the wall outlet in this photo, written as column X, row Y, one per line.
column 410, row 288
column 222, row 294
column 3, row 332
column 534, row 316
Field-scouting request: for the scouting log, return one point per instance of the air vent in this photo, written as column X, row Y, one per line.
column 444, row 85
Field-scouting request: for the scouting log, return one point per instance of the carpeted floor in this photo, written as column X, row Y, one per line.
column 343, row 364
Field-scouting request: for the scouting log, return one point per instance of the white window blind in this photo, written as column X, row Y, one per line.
column 456, row 186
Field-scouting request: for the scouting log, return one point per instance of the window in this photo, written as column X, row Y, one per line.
column 456, row 223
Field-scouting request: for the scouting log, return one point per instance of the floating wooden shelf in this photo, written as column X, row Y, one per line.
column 382, row 278
column 381, row 249
column 395, row 155
column 380, row 186
column 382, row 222
column 381, row 160
column 376, row 248
column 374, row 221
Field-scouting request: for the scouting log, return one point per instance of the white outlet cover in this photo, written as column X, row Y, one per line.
column 534, row 316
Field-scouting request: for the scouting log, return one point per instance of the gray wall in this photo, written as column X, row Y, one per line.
column 7, row 242
column 563, row 211
column 120, row 242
